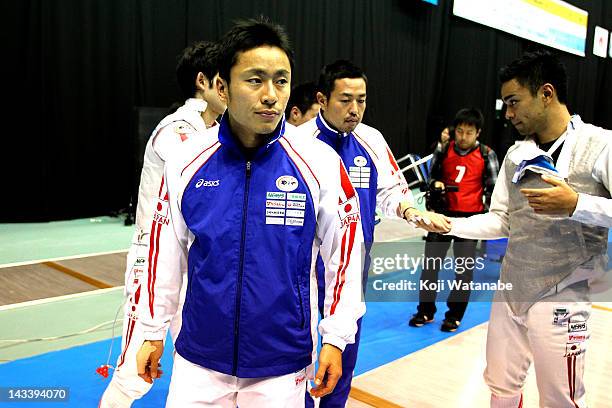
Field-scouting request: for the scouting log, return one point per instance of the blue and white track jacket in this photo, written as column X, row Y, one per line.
column 248, row 232
column 371, row 166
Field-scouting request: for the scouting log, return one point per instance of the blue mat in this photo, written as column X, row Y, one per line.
column 75, row 368
column 386, row 337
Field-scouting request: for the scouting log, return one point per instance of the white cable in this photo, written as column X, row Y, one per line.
column 110, row 349
column 91, row 329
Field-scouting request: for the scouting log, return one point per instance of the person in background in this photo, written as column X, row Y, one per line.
column 303, row 104
column 342, row 93
column 196, row 72
column 446, row 135
column 471, row 168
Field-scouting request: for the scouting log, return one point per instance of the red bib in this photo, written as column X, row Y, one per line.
column 467, row 173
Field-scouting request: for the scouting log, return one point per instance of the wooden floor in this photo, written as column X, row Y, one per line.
column 448, row 374
column 61, row 277
column 40, row 280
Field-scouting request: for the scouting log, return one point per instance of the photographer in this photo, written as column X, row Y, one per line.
column 463, row 174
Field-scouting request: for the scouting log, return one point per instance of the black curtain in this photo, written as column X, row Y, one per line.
column 75, row 70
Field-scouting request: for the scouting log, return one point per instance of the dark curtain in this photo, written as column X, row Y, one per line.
column 75, row 70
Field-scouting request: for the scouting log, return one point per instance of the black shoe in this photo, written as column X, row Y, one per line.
column 419, row 319
column 450, row 325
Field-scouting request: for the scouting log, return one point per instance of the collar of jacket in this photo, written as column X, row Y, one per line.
column 229, row 140
column 327, row 130
column 196, row 104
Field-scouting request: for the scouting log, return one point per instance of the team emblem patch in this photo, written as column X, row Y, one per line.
column 360, row 161
column 183, row 131
column 286, row 183
column 360, row 173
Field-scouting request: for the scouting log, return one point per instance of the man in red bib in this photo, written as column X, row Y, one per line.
column 464, row 171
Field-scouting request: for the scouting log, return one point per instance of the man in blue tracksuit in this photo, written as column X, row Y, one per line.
column 372, row 170
column 245, row 209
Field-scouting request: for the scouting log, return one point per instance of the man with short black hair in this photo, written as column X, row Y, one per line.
column 471, row 168
column 552, row 200
column 196, row 72
column 249, row 206
column 303, row 104
column 373, row 172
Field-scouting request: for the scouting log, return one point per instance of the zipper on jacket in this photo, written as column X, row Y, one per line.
column 301, row 303
column 241, row 265
column 189, row 280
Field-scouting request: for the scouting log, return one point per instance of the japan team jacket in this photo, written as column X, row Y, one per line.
column 169, row 133
column 372, row 169
column 247, row 231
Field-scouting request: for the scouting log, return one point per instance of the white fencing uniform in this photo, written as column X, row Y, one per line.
column 550, row 261
column 126, row 385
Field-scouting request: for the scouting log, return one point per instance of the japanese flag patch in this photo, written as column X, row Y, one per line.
column 349, row 211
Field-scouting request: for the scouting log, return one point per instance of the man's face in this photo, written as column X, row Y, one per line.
column 525, row 111
column 258, row 91
column 345, row 107
column 296, row 118
column 466, row 135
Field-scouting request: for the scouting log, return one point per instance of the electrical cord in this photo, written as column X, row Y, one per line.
column 64, row 336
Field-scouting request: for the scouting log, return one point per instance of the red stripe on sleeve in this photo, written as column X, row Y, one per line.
column 161, row 187
column 137, row 295
column 129, row 333
column 574, row 380
column 392, row 160
column 151, row 257
column 339, row 271
column 153, row 275
column 341, row 278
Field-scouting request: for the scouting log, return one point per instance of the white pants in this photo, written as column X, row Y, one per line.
column 554, row 335
column 195, row 386
column 126, row 386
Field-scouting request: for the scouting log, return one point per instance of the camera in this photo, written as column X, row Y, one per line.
column 435, row 198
